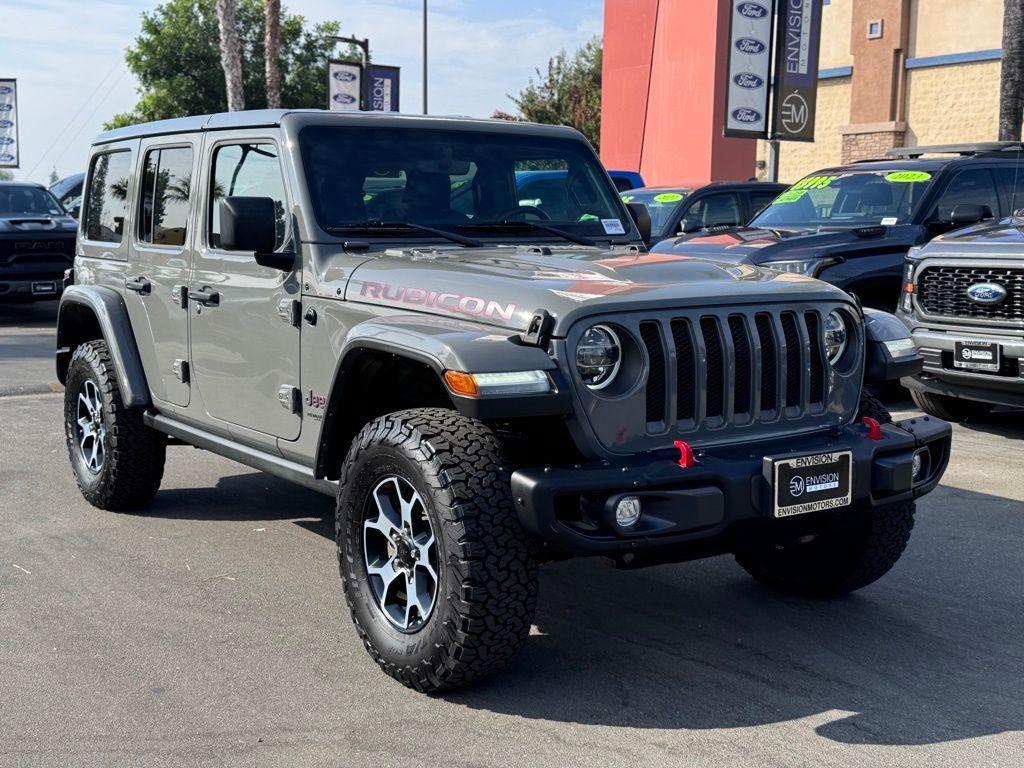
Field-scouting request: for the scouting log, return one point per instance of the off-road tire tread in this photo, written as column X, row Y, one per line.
column 873, row 408
column 889, row 528
column 491, row 575
column 135, row 454
column 949, row 408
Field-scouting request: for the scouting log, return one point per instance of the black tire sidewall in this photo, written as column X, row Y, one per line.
column 373, row 465
column 85, row 366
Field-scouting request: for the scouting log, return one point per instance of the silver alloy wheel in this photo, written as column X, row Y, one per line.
column 89, row 429
column 400, row 552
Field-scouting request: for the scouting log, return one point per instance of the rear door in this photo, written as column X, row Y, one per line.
column 244, row 330
column 156, row 283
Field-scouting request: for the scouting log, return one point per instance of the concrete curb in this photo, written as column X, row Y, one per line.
column 44, row 388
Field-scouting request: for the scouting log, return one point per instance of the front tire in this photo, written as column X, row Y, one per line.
column 949, row 408
column 118, row 461
column 436, row 569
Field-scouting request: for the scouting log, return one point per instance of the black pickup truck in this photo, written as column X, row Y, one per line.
column 37, row 243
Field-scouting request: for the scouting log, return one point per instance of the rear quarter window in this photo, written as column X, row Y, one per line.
column 107, row 196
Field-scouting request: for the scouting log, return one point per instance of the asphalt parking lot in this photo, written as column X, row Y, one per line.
column 210, row 630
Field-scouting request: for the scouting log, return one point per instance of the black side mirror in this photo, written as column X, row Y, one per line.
column 966, row 214
column 76, row 212
column 250, row 224
column 642, row 218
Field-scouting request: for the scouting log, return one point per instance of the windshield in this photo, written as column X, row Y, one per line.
column 847, row 199
column 445, row 179
column 28, row 201
column 661, row 204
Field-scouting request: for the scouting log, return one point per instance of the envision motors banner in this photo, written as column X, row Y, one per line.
column 344, row 86
column 382, row 88
column 750, row 59
column 8, row 124
column 796, row 70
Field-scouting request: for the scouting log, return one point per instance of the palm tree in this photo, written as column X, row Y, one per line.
column 1011, row 81
column 272, row 51
column 231, row 54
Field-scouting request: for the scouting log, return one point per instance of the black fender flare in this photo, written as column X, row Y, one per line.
column 441, row 344
column 881, row 366
column 87, row 309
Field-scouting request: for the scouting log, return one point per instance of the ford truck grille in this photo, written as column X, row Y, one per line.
column 942, row 292
column 720, row 375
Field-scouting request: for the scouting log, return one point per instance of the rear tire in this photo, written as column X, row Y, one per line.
column 458, row 548
column 838, row 561
column 118, row 461
column 949, row 408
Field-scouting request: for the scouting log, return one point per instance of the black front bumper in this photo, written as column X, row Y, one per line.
column 709, row 508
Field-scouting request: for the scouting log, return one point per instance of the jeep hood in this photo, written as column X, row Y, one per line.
column 507, row 285
column 748, row 245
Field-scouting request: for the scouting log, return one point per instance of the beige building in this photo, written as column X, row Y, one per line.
column 900, row 73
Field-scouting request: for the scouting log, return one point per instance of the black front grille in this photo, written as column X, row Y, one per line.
column 942, row 291
column 721, row 358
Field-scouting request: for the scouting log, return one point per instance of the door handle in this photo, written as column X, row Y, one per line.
column 206, row 297
column 140, row 285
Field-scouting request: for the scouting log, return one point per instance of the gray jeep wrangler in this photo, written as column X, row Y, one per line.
column 452, row 326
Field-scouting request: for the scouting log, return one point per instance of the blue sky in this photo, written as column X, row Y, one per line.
column 68, row 57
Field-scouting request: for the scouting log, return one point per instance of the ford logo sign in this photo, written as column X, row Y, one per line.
column 345, row 76
column 6, row 123
column 748, row 80
column 5, row 89
column 344, row 98
column 987, row 293
column 5, row 140
column 750, row 45
column 6, row 157
column 6, row 107
column 746, row 115
column 752, row 10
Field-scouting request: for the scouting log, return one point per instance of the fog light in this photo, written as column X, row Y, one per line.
column 627, row 511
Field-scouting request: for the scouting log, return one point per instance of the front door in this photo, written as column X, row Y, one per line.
column 158, row 264
column 244, row 334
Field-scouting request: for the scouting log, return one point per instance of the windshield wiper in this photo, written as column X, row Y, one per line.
column 485, row 226
column 378, row 226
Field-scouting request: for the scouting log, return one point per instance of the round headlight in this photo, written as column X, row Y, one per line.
column 598, row 356
column 835, row 337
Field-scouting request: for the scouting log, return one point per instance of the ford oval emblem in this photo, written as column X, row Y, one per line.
column 752, row 10
column 6, row 157
column 6, row 107
column 987, row 293
column 746, row 115
column 6, row 123
column 5, row 140
column 750, row 45
column 344, row 98
column 748, row 80
column 344, row 76
column 5, row 89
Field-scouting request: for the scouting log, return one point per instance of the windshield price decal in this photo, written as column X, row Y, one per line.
column 789, row 196
column 814, row 182
column 907, row 177
column 668, row 197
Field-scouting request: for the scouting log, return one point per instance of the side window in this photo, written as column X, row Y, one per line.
column 1010, row 185
column 721, row 210
column 973, row 185
column 166, row 188
column 107, row 196
column 759, row 198
column 246, row 170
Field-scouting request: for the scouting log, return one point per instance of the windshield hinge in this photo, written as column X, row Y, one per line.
column 538, row 332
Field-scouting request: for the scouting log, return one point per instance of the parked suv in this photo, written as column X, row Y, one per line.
column 852, row 225
column 964, row 301
column 482, row 384
column 37, row 243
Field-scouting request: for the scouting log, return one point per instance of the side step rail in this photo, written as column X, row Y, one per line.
column 229, row 449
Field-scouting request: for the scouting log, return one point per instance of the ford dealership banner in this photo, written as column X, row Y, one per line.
column 750, row 59
column 796, row 70
column 8, row 124
column 344, row 86
column 382, row 88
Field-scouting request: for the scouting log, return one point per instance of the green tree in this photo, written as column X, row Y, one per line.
column 6, row 175
column 176, row 58
column 569, row 94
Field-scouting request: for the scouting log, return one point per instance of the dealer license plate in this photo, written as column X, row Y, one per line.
column 802, row 484
column 976, row 355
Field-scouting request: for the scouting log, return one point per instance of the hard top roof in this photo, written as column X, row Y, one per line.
column 264, row 118
column 16, row 183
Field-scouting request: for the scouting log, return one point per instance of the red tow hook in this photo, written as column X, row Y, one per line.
column 686, row 459
column 874, row 428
